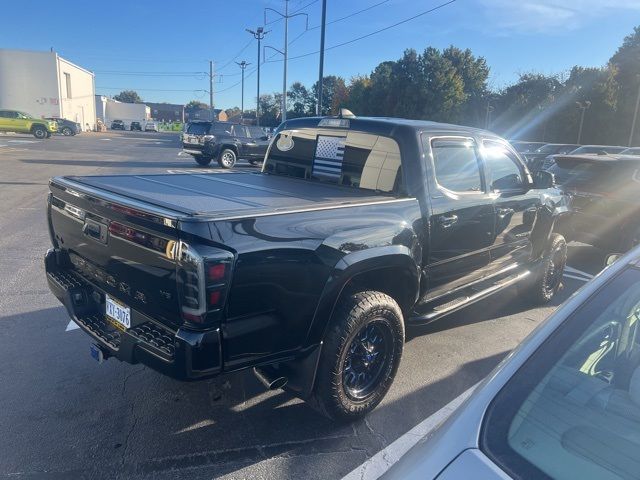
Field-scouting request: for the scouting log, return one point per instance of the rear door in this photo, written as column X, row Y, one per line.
column 258, row 143
column 462, row 214
column 241, row 139
column 516, row 204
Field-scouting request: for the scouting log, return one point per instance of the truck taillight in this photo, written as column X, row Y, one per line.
column 203, row 277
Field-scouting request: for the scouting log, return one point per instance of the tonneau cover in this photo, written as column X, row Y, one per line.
column 224, row 194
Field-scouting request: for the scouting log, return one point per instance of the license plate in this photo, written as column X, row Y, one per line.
column 120, row 314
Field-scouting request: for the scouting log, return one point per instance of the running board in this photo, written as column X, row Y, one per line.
column 463, row 300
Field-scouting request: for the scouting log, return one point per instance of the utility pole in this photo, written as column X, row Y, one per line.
column 286, row 17
column 487, row 120
column 258, row 35
column 211, row 90
column 635, row 117
column 242, row 66
column 321, row 69
column 582, row 106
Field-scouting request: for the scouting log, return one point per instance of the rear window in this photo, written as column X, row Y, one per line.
column 349, row 158
column 199, row 128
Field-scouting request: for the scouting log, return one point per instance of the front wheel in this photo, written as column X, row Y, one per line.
column 203, row 161
column 360, row 356
column 227, row 158
column 549, row 279
column 39, row 132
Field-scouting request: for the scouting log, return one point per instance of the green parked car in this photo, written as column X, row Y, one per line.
column 14, row 121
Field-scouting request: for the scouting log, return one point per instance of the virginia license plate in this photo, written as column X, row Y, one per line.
column 118, row 313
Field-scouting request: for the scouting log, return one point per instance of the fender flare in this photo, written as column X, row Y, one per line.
column 354, row 264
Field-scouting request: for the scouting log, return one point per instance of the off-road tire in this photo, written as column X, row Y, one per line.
column 548, row 279
column 353, row 315
column 202, row 161
column 39, row 132
column 227, row 158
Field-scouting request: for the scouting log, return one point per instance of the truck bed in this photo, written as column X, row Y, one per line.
column 227, row 194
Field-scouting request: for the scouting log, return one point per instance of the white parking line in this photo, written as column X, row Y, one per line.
column 377, row 465
column 23, row 141
column 577, row 272
column 71, row 326
column 107, row 139
column 575, row 277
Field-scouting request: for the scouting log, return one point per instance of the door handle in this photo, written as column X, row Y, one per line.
column 448, row 221
column 503, row 212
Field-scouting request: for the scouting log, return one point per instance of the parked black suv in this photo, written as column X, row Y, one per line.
column 66, row 127
column 226, row 142
column 135, row 126
column 311, row 269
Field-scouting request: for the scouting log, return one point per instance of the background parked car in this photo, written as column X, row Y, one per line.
column 603, row 193
column 66, row 127
column 565, row 405
column 19, row 122
column 524, row 147
column 598, row 149
column 536, row 158
column 135, row 126
column 117, row 125
column 151, row 126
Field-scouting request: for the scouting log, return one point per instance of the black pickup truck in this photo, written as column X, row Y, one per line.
column 310, row 270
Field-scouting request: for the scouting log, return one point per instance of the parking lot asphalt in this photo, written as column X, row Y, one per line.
column 63, row 415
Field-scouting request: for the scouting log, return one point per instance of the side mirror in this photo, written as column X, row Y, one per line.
column 611, row 258
column 543, row 179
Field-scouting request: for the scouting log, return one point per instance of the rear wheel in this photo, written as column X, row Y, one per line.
column 549, row 279
column 360, row 356
column 39, row 132
column 227, row 158
column 204, row 161
column 66, row 131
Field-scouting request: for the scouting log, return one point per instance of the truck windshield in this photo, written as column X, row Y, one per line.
column 349, row 158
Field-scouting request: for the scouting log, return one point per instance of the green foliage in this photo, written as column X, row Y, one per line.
column 194, row 105
column 128, row 96
column 451, row 85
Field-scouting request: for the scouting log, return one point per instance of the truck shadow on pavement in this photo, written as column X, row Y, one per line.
column 79, row 418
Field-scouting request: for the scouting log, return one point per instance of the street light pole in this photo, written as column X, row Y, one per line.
column 635, row 118
column 258, row 35
column 286, row 18
column 321, row 68
column 582, row 106
column 243, row 64
column 211, row 90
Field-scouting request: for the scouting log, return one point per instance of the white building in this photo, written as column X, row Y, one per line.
column 43, row 84
column 108, row 110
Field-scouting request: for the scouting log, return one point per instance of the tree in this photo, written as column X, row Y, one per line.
column 194, row 105
column 128, row 96
column 232, row 112
column 626, row 65
column 300, row 100
column 358, row 101
column 270, row 106
column 334, row 94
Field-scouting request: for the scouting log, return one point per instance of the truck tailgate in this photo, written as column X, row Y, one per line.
column 124, row 252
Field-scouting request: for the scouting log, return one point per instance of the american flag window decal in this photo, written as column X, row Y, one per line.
column 327, row 161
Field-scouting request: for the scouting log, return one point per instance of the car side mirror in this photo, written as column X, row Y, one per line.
column 543, row 179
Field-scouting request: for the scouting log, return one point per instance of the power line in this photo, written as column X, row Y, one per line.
column 237, row 55
column 438, row 7
column 279, row 19
column 150, row 74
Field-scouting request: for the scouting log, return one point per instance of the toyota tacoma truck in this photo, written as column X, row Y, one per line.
column 309, row 271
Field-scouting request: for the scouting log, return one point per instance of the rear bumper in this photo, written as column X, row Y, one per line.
column 183, row 354
column 207, row 149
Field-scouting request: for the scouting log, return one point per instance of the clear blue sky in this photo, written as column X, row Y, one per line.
column 179, row 37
